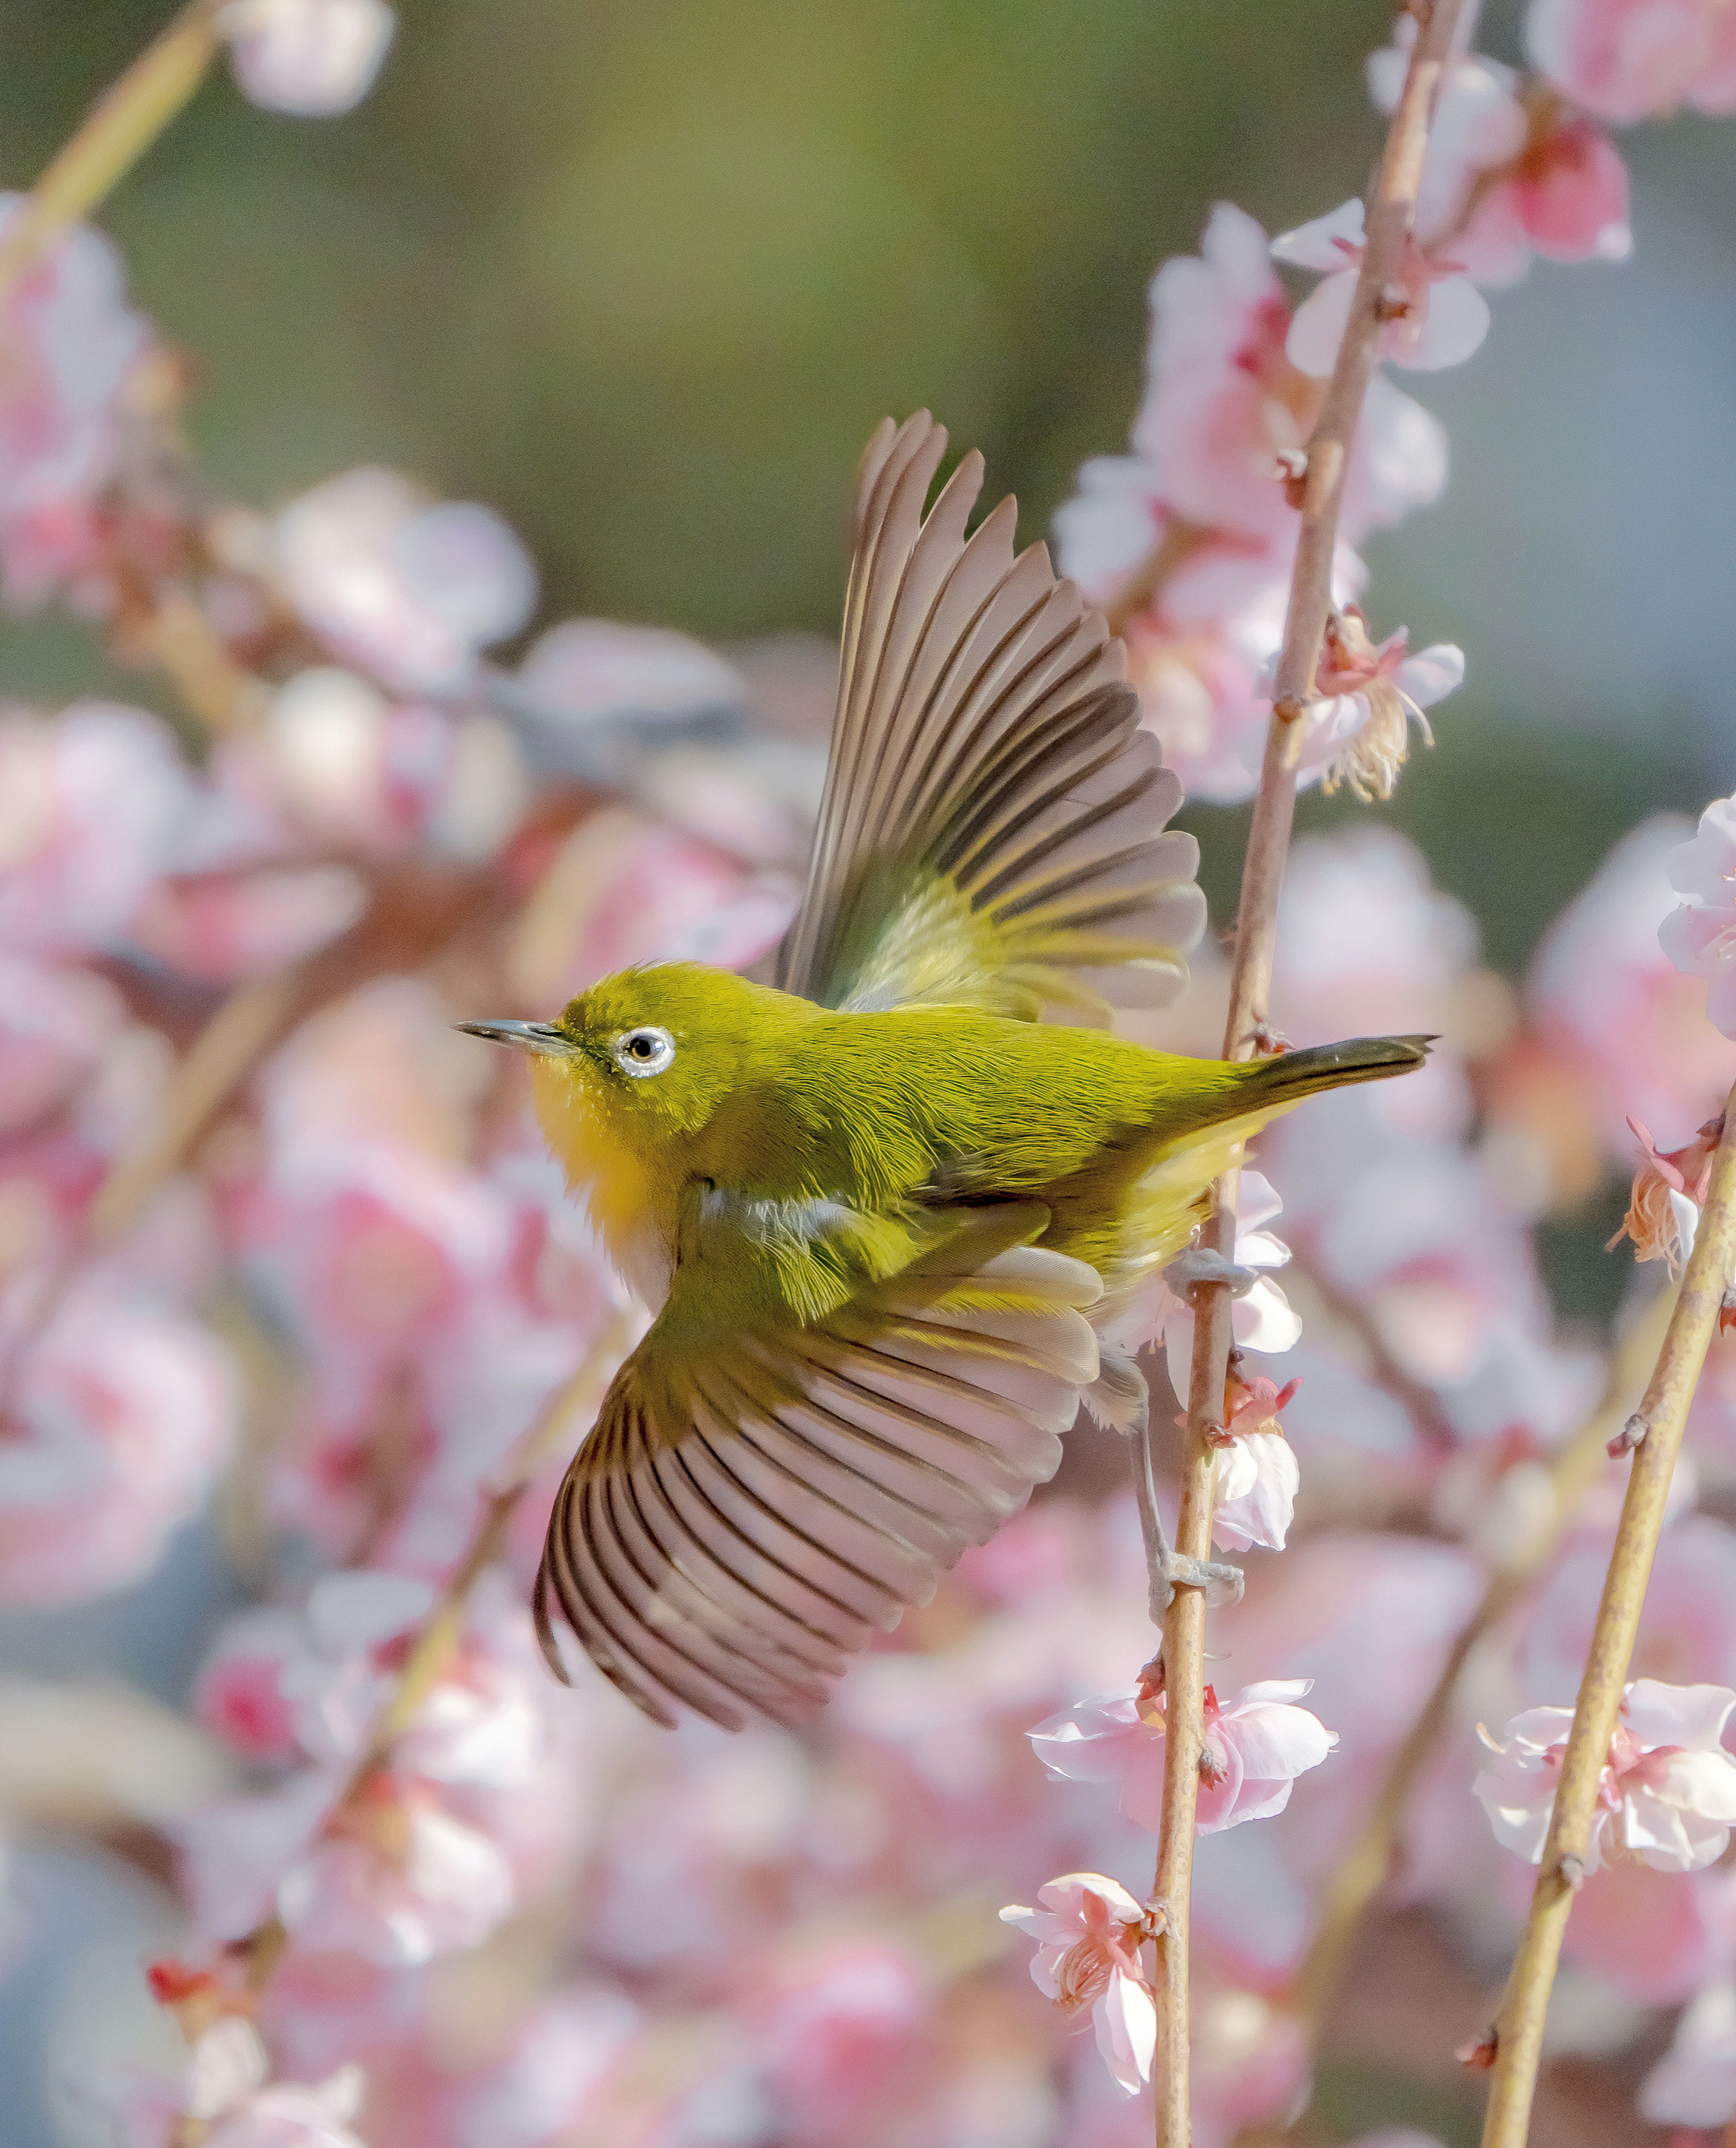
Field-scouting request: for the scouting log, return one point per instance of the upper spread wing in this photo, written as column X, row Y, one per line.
column 990, row 832
column 761, row 1491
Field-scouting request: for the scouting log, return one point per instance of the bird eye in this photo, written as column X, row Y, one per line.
column 642, row 1051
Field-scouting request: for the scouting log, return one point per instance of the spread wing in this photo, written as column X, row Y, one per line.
column 763, row 1490
column 990, row 832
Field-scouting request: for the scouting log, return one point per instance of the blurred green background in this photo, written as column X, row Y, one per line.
column 642, row 274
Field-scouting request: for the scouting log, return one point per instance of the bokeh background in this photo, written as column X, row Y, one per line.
column 643, row 274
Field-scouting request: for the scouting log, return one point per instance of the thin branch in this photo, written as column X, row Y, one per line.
column 1389, row 224
column 122, row 125
column 1365, row 1866
column 1658, row 1426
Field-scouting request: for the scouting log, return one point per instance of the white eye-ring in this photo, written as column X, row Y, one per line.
column 642, row 1051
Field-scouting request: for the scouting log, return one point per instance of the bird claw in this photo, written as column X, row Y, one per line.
column 1267, row 1040
column 1204, row 1264
column 1171, row 1570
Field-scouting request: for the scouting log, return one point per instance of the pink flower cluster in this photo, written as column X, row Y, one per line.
column 1189, row 539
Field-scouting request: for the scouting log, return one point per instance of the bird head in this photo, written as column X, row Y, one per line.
column 642, row 1061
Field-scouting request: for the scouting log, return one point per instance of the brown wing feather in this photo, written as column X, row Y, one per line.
column 730, row 1556
column 991, row 826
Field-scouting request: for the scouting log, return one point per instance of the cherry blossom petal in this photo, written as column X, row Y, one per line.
column 1454, row 325
column 1125, row 2020
column 1317, row 328
column 311, row 58
column 1321, row 244
column 1257, row 1480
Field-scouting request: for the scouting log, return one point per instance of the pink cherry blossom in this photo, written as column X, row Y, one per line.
column 71, row 344
column 1367, row 695
column 1668, row 1795
column 1699, row 937
column 90, row 808
column 1507, row 173
column 1694, row 2082
column 1606, row 995
column 1249, row 2061
column 1669, row 1191
column 1089, row 1931
column 311, row 58
column 123, row 1413
column 1627, row 59
column 1566, row 197
column 1223, row 401
column 1257, row 1472
column 1478, row 124
column 1443, row 318
column 1255, row 1749
column 408, row 588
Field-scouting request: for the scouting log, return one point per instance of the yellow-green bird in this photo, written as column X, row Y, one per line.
column 885, row 1213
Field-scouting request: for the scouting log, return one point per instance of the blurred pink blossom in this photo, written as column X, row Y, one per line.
column 311, row 58
column 408, row 588
column 1249, row 2061
column 1368, row 946
column 1688, row 1626
column 1255, row 1749
column 1567, row 198
column 286, row 2114
column 122, row 1415
column 1443, row 318
column 1478, row 124
column 1506, row 174
column 1694, row 2082
column 1700, row 936
column 1668, row 1794
column 1627, row 59
column 55, row 1024
column 399, row 1879
column 90, row 808
column 1089, row 1930
column 843, row 2036
column 1604, row 992
column 69, row 342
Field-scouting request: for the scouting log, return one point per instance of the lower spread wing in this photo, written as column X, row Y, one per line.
column 991, row 832
column 762, row 1491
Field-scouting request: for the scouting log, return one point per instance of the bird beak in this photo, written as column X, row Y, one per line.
column 538, row 1036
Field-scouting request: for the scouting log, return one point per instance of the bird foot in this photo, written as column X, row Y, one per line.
column 1203, row 1264
column 1171, row 1570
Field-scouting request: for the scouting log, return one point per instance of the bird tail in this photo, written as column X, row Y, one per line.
column 1173, row 1195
